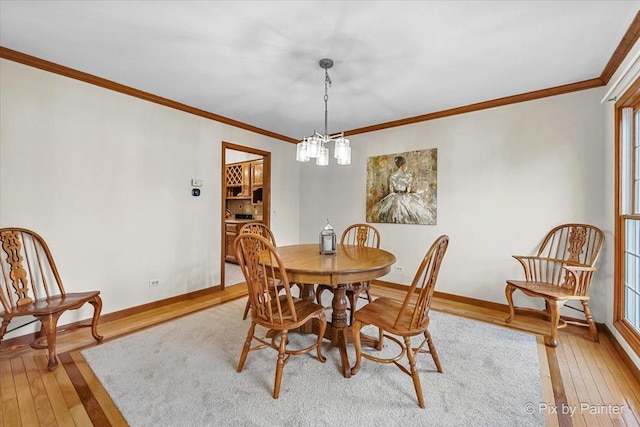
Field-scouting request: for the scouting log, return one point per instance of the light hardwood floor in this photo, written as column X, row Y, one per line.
column 581, row 376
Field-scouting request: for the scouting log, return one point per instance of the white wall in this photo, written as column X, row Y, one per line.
column 105, row 179
column 506, row 176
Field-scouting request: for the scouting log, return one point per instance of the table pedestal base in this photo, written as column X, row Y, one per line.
column 338, row 331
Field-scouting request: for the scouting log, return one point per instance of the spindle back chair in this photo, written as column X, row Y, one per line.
column 31, row 286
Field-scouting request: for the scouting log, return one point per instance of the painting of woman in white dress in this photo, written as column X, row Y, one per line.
column 401, row 188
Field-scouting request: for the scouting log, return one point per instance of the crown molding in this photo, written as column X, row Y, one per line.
column 528, row 96
column 52, row 67
column 624, row 47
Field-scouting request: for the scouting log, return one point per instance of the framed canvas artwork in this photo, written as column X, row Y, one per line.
column 402, row 188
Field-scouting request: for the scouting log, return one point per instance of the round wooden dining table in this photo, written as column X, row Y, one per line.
column 306, row 266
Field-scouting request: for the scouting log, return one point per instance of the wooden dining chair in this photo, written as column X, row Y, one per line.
column 31, row 286
column 358, row 235
column 561, row 271
column 261, row 265
column 264, row 231
column 406, row 318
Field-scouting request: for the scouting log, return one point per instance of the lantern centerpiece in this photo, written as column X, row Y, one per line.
column 327, row 240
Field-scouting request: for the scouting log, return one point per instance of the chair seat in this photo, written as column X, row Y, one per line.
column 546, row 290
column 383, row 312
column 53, row 304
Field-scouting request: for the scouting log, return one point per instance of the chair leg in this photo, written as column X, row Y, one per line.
column 414, row 371
column 323, row 327
column 546, row 310
column 96, row 302
column 353, row 303
column 280, row 364
column 380, row 339
column 246, row 347
column 555, row 307
column 368, row 295
column 355, row 331
column 509, row 294
column 432, row 350
column 3, row 328
column 246, row 309
column 592, row 325
column 49, row 326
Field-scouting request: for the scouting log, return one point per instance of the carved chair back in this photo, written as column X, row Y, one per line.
column 27, row 268
column 567, row 245
column 260, row 229
column 261, row 266
column 361, row 235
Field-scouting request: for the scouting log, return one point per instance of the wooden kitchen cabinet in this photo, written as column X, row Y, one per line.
column 238, row 181
column 256, row 182
column 230, row 233
column 256, row 173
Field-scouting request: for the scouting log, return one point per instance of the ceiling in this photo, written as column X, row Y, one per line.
column 257, row 62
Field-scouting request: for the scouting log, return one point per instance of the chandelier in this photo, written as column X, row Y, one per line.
column 315, row 146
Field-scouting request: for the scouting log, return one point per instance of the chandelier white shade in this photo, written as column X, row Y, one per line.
column 316, row 146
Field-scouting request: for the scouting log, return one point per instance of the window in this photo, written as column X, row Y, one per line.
column 627, row 235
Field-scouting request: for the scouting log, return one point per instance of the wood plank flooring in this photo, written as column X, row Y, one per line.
column 584, row 383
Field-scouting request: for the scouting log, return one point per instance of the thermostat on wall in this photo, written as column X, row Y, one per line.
column 196, row 182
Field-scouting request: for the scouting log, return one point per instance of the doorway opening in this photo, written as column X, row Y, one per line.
column 245, row 196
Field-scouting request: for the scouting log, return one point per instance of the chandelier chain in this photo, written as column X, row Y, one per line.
column 327, row 83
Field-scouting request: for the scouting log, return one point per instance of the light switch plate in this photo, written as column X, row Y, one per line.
column 196, row 182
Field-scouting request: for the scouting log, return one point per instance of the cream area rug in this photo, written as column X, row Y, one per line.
column 183, row 373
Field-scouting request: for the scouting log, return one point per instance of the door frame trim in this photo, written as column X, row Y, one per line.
column 266, row 194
